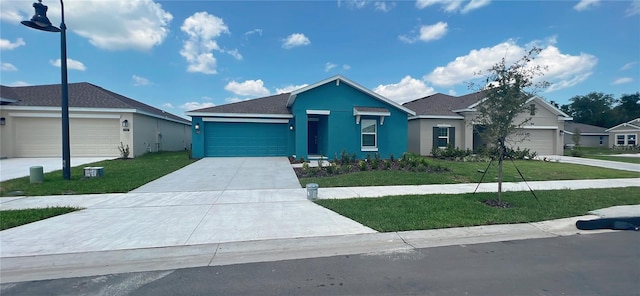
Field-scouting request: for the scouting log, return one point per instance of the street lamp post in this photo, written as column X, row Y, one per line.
column 40, row 21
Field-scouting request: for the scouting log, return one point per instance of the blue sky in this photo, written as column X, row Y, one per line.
column 184, row 55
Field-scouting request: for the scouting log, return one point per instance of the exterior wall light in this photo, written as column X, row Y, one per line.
column 125, row 123
column 291, row 127
column 3, row 121
column 197, row 128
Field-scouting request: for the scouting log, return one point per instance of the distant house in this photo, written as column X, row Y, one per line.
column 99, row 120
column 322, row 119
column 590, row 135
column 443, row 120
column 624, row 134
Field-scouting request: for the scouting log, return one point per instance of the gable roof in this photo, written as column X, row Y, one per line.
column 585, row 129
column 445, row 106
column 81, row 95
column 276, row 104
column 634, row 124
column 339, row 79
column 441, row 105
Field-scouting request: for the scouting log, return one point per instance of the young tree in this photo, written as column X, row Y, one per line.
column 505, row 92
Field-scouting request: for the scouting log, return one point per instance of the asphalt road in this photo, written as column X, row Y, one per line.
column 594, row 264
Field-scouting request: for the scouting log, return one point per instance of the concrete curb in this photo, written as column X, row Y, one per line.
column 44, row 267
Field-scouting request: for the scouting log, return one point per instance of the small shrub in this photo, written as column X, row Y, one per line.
column 363, row 165
column 124, row 150
column 387, row 164
column 421, row 168
column 391, row 158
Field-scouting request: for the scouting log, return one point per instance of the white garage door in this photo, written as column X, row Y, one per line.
column 42, row 137
column 540, row 141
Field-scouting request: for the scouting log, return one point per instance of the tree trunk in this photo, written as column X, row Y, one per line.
column 500, row 158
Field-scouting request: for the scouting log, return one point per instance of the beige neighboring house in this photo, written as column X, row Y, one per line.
column 590, row 135
column 624, row 134
column 99, row 120
column 443, row 120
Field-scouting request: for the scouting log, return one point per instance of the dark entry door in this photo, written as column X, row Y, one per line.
column 312, row 137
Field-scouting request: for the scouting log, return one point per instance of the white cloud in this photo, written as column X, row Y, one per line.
column 71, row 64
column 110, row 25
column 564, row 70
column 328, row 66
column 295, row 40
column 452, row 92
column 384, row 6
column 234, row 100
column 633, row 9
column 8, row 45
column 140, row 81
column 235, row 54
column 453, row 5
column 622, row 80
column 196, row 105
column 586, row 4
column 473, row 5
column 8, row 67
column 427, row 33
column 247, row 88
column 202, row 29
column 167, row 105
column 628, row 66
column 254, row 31
column 433, row 32
column 289, row 88
column 406, row 90
column 20, row 83
column 346, row 67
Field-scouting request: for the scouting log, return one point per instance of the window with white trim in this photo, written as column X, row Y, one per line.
column 631, row 140
column 369, row 134
column 626, row 139
column 443, row 137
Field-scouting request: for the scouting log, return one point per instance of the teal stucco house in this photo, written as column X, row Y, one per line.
column 321, row 119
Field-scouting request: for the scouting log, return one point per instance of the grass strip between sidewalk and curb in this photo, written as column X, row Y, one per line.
column 615, row 158
column 421, row 212
column 470, row 172
column 120, row 175
column 14, row 218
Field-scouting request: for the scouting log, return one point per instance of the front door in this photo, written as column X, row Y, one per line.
column 312, row 137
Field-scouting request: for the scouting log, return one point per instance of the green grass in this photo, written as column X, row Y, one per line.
column 120, row 176
column 420, row 212
column 14, row 218
column 467, row 172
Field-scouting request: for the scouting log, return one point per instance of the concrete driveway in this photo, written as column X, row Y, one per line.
column 227, row 173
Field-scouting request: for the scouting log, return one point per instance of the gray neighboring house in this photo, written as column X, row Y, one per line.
column 99, row 120
column 624, row 134
column 443, row 120
column 590, row 135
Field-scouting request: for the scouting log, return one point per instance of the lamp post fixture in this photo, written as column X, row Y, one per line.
column 41, row 22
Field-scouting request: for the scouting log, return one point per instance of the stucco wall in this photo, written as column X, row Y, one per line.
column 342, row 131
column 6, row 136
column 423, row 143
column 152, row 134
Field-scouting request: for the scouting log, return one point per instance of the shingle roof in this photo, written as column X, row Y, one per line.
column 441, row 104
column 371, row 109
column 571, row 126
column 81, row 95
column 276, row 104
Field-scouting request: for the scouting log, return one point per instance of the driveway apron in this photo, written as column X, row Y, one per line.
column 227, row 173
column 214, row 200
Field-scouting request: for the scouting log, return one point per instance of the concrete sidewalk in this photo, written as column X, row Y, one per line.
column 616, row 165
column 19, row 167
column 187, row 229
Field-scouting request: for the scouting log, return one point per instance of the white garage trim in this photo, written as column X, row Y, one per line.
column 54, row 115
column 254, row 120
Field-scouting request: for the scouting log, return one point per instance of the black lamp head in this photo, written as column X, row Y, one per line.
column 40, row 21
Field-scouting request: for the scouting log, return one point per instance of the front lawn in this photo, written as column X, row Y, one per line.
column 469, row 172
column 120, row 175
column 420, row 212
column 14, row 218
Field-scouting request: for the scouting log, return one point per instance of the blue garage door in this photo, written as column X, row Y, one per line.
column 245, row 139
